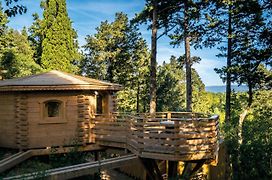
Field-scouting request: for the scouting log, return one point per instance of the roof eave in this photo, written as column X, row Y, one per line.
column 56, row 88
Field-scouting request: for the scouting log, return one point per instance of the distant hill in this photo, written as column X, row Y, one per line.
column 217, row 89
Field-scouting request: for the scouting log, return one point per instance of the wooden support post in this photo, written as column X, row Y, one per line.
column 96, row 155
column 172, row 169
column 185, row 174
column 169, row 115
column 96, row 158
column 189, row 170
column 152, row 168
column 197, row 167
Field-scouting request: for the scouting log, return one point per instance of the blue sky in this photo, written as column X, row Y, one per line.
column 87, row 15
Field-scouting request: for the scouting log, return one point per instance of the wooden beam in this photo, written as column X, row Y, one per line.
column 172, row 169
column 198, row 165
column 152, row 168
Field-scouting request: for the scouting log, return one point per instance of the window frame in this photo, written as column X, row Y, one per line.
column 53, row 120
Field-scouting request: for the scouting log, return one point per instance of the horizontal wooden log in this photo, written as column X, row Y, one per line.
column 113, row 128
column 121, row 139
column 196, row 135
column 175, row 141
column 187, row 157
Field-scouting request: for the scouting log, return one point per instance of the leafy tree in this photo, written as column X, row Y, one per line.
column 219, row 27
column 158, row 12
column 3, row 30
column 240, row 24
column 36, row 37
column 118, row 54
column 14, row 9
column 255, row 159
column 236, row 22
column 186, row 24
column 248, row 52
column 17, row 56
column 171, row 91
column 59, row 45
column 3, row 21
column 171, row 86
column 250, row 160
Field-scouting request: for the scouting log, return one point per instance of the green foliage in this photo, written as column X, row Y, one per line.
column 256, row 149
column 171, row 90
column 16, row 55
column 59, row 45
column 35, row 38
column 210, row 103
column 119, row 54
column 15, row 52
column 67, row 159
column 248, row 49
column 29, row 166
column 3, row 22
column 14, row 9
column 255, row 157
column 171, row 86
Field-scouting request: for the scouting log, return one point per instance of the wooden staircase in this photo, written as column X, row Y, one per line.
column 79, row 170
column 13, row 160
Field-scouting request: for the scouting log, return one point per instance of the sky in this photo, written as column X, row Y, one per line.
column 86, row 15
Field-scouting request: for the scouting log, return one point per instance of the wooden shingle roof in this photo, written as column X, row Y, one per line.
column 56, row 80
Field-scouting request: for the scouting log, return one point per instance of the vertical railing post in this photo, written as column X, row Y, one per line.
column 176, row 128
column 142, row 136
column 169, row 115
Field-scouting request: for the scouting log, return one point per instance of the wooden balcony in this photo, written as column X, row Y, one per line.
column 176, row 136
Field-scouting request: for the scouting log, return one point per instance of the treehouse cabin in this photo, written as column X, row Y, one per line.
column 51, row 109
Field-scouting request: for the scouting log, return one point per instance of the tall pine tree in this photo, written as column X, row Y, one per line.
column 59, row 45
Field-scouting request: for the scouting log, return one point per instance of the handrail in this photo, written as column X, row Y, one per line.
column 188, row 136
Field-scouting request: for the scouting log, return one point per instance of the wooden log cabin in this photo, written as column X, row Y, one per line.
column 51, row 109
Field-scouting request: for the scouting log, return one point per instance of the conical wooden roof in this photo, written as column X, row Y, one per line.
column 56, row 80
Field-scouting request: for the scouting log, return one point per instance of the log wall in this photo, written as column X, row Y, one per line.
column 7, row 120
column 22, row 124
column 48, row 132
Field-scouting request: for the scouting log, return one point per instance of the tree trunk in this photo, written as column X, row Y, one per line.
column 187, row 60
column 242, row 118
column 153, row 62
column 138, row 97
column 109, row 72
column 250, row 94
column 228, row 79
column 240, row 127
column 228, row 87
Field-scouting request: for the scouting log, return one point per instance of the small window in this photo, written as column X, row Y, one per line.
column 99, row 104
column 52, row 108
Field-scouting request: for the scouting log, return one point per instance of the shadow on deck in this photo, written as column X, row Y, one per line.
column 175, row 136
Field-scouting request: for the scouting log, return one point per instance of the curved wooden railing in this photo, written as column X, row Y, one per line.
column 177, row 136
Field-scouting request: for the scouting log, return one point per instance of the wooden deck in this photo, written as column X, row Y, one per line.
column 165, row 136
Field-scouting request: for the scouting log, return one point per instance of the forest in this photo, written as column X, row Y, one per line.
column 117, row 52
